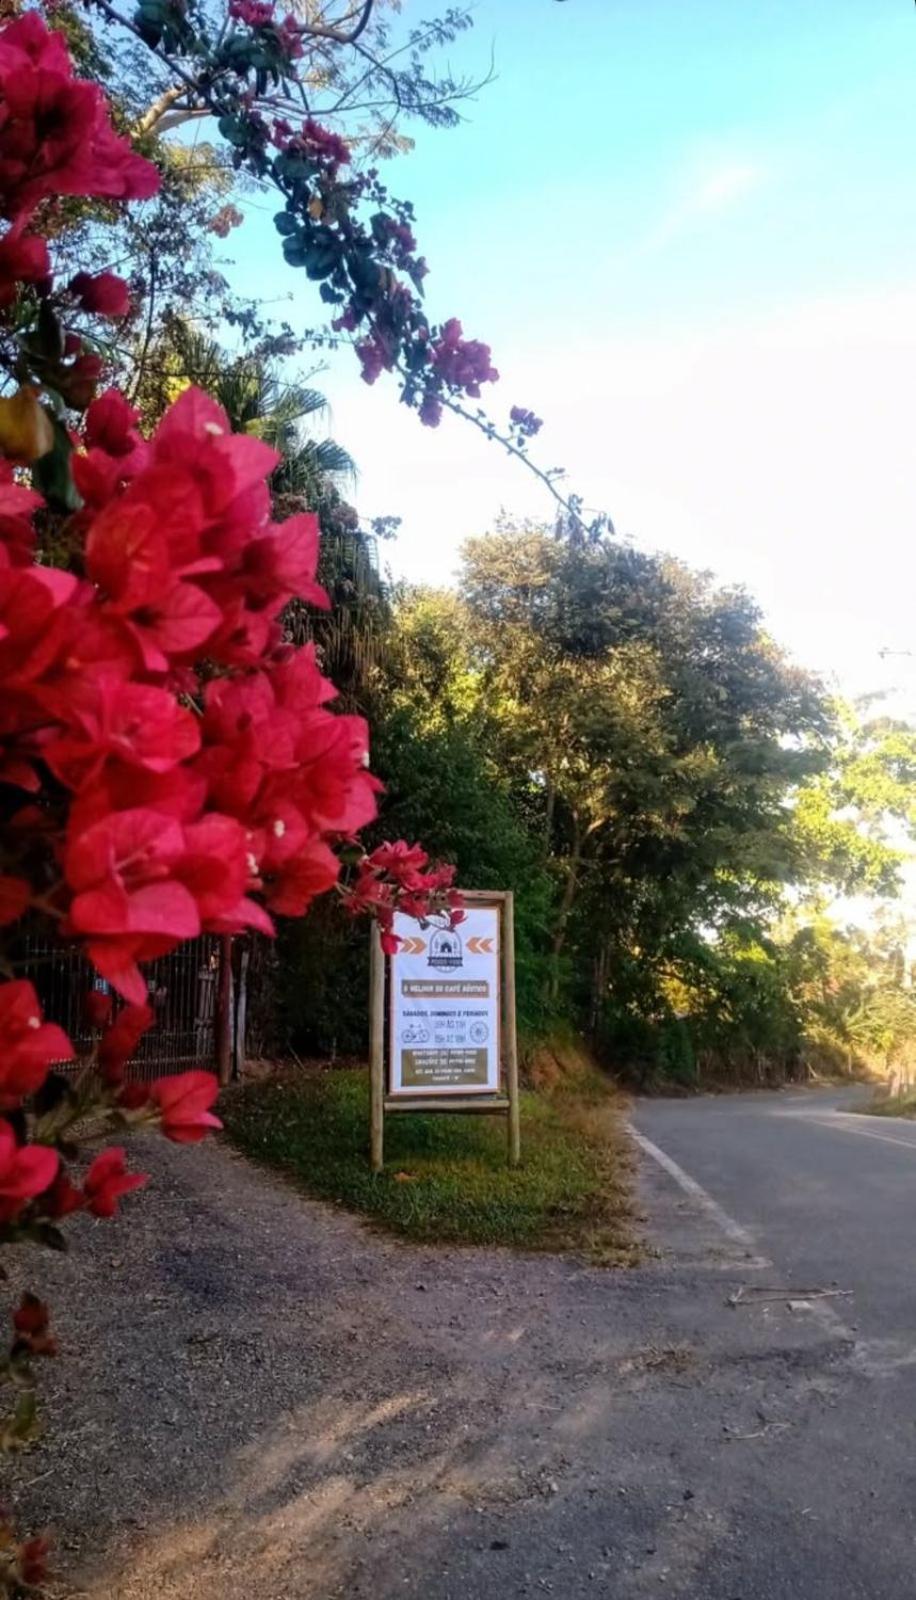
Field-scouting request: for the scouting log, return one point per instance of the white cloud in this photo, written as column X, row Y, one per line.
column 723, row 186
column 708, row 188
column 775, row 450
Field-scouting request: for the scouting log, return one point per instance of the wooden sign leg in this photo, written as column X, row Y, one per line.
column 376, row 1051
column 514, row 1118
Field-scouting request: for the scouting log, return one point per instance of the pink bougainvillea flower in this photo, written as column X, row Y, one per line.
column 115, row 451
column 333, row 788
column 402, row 862
column 17, row 505
column 98, row 476
column 107, row 1180
column 55, row 134
column 32, row 1561
column 284, row 561
column 216, row 867
column 430, row 410
column 195, row 434
column 324, row 144
column 32, row 621
column 245, row 635
column 62, row 1198
column 78, row 380
column 184, row 1103
column 15, row 894
column 459, row 362
column 126, row 904
column 102, row 292
column 128, row 556
column 25, row 1171
column 97, row 1007
column 119, row 1041
column 134, row 1096
column 294, row 885
column 179, row 623
column 24, row 258
column 179, row 794
column 32, row 1323
column 110, row 424
column 28, row 1045
column 132, row 722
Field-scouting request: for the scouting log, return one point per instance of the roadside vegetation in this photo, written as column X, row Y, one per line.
column 446, row 1179
column 894, row 1105
column 678, row 807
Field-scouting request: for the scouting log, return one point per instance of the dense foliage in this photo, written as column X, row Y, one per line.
column 672, row 800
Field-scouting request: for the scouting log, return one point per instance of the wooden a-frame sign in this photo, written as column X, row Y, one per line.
column 448, row 999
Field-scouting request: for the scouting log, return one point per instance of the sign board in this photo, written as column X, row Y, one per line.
column 445, row 1007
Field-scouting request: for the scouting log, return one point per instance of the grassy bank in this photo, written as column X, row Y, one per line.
column 896, row 1105
column 446, row 1177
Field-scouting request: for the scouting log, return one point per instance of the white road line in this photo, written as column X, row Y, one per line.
column 732, row 1229
column 843, row 1126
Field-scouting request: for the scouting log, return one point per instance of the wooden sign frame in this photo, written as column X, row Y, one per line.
column 505, row 1102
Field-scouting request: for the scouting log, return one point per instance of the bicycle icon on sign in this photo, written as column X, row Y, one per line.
column 415, row 1036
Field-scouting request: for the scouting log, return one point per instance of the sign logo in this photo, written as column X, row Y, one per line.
column 445, row 949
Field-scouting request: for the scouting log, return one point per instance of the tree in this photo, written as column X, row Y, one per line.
column 656, row 721
column 860, row 813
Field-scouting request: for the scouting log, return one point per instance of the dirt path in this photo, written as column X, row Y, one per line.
column 260, row 1398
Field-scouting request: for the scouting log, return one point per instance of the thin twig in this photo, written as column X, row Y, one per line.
column 749, row 1294
column 761, row 1433
column 548, row 479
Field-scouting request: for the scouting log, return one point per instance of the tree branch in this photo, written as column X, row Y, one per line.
column 155, row 113
column 567, row 503
column 177, row 119
column 148, row 337
column 318, row 30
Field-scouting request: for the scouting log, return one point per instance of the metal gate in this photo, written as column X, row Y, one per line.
column 182, row 993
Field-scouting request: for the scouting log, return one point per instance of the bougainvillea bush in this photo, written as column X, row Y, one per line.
column 169, row 763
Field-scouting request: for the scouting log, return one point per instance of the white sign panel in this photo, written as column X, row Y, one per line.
column 445, row 997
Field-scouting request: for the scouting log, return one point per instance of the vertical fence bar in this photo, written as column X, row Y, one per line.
column 241, row 1010
column 514, row 1118
column 223, row 1018
column 376, row 1050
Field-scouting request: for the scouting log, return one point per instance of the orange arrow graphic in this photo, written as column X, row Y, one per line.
column 412, row 947
column 480, row 947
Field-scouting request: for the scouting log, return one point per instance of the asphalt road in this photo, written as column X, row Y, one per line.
column 823, row 1203
column 267, row 1399
column 826, row 1194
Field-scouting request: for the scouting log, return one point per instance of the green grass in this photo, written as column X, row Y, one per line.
column 446, row 1177
column 898, row 1105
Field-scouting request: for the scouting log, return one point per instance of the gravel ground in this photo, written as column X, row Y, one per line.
column 259, row 1397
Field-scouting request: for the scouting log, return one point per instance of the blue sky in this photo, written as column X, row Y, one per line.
column 688, row 232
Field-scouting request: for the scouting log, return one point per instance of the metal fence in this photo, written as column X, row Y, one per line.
column 182, row 993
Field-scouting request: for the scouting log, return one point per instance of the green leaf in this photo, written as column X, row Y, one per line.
column 295, row 252
column 320, row 263
column 52, row 475
column 233, row 131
